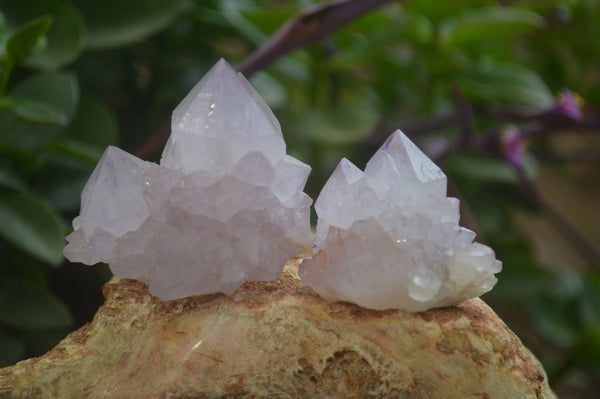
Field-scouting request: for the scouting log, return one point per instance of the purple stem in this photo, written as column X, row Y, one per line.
column 310, row 25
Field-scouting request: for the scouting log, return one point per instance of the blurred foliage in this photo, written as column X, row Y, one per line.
column 79, row 75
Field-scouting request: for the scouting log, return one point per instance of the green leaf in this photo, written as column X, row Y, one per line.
column 94, row 124
column 232, row 10
column 22, row 41
column 591, row 300
column 11, row 350
column 19, row 264
column 39, row 342
column 482, row 25
column 342, row 124
column 483, row 168
column 63, row 186
column 69, row 159
column 505, row 83
column 75, row 150
column 59, row 90
column 268, row 18
column 436, row 9
column 4, row 33
column 9, row 178
column 270, row 89
column 114, row 23
column 26, row 305
column 555, row 317
column 63, row 173
column 34, row 111
column 66, row 37
column 31, row 225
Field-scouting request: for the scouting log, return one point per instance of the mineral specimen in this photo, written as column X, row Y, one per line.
column 389, row 237
column 224, row 206
column 278, row 339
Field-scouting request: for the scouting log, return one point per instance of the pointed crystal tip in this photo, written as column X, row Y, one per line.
column 409, row 160
column 219, row 122
column 222, row 71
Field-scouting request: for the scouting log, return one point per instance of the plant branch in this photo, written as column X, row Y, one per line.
column 584, row 155
column 154, row 142
column 430, row 124
column 465, row 116
column 307, row 27
column 551, row 121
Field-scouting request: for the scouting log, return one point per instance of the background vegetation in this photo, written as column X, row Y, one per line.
column 502, row 94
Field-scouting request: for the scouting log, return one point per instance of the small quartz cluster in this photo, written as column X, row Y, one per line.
column 224, row 206
column 389, row 237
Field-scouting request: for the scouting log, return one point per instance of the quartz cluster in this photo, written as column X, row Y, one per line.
column 224, row 206
column 389, row 237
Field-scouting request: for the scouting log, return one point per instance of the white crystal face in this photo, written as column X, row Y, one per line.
column 389, row 237
column 225, row 205
column 221, row 120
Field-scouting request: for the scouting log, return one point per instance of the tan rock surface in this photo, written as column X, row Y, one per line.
column 279, row 340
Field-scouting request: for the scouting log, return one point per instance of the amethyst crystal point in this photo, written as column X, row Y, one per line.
column 389, row 237
column 219, row 122
column 225, row 205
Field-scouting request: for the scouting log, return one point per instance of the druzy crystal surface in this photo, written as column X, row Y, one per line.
column 224, row 206
column 389, row 237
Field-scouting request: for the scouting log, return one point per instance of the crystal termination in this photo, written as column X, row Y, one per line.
column 224, row 206
column 389, row 237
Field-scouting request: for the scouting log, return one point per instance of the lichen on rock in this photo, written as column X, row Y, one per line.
column 279, row 339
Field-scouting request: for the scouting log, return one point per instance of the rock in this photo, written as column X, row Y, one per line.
column 279, row 339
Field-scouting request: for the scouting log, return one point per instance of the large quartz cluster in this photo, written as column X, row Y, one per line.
column 224, row 206
column 389, row 237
